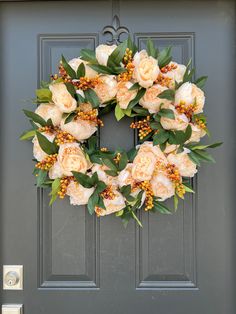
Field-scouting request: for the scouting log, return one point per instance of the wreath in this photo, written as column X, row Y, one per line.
column 165, row 108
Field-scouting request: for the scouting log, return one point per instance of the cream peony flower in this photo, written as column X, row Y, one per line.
column 55, row 171
column 188, row 94
column 38, row 153
column 80, row 129
column 103, row 52
column 75, row 63
column 113, row 205
column 107, row 88
column 162, row 186
column 146, row 69
column 100, row 170
column 125, row 176
column 150, row 100
column 62, row 98
column 176, row 74
column 197, row 133
column 71, row 158
column 187, row 168
column 79, row 195
column 124, row 95
column 170, row 148
column 145, row 161
column 180, row 122
column 49, row 111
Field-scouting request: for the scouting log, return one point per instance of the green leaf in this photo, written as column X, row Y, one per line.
column 134, row 86
column 164, row 57
column 92, row 97
column 132, row 154
column 92, row 144
column 119, row 113
column 151, row 50
column 112, row 173
column 110, row 164
column 176, row 202
column 167, row 113
column 161, row 137
column 80, row 71
column 125, row 190
column 158, row 206
column 131, row 45
column 136, row 218
column 123, row 161
column 167, row 94
column 83, row 179
column 204, row 156
column 194, row 158
column 27, row 135
column 35, row 117
column 41, row 177
column 180, row 137
column 70, row 117
column 200, row 147
column 200, row 82
column 101, row 186
column 68, row 68
column 188, row 189
column 71, row 89
column 100, row 68
column 92, row 202
column 55, row 189
column 188, row 72
column 88, row 55
column 117, row 55
column 47, row 146
column 43, row 95
column 139, row 95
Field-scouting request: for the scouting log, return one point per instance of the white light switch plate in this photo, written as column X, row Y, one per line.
column 12, row 309
column 18, row 269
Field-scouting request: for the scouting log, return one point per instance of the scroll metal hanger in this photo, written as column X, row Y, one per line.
column 115, row 30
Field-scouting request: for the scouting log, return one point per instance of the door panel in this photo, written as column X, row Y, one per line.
column 73, row 262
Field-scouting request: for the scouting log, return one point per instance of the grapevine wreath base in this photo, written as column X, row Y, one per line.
column 163, row 105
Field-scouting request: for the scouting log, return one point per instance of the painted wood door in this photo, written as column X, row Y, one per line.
column 73, row 262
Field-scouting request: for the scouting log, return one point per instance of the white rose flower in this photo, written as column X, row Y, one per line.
column 79, row 195
column 145, row 161
column 125, row 176
column 146, row 69
column 62, row 98
column 175, row 74
column 150, row 99
column 186, row 167
column 180, row 122
column 55, row 171
column 124, row 95
column 49, row 111
column 75, row 63
column 197, row 133
column 80, row 129
column 38, row 153
column 190, row 94
column 113, row 205
column 72, row 158
column 162, row 186
column 103, row 52
column 107, row 88
column 102, row 176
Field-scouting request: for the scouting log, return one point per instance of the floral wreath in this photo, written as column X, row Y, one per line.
column 165, row 107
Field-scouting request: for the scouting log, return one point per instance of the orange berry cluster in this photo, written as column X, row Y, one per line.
column 104, row 149
column 63, row 137
column 127, row 61
column 108, row 193
column 173, row 173
column 85, row 83
column 98, row 210
column 117, row 158
column 90, row 116
column 163, row 81
column 146, row 186
column 188, row 110
column 47, row 163
column 200, row 123
column 168, row 68
column 64, row 182
column 63, row 74
column 180, row 190
column 143, row 126
column 47, row 129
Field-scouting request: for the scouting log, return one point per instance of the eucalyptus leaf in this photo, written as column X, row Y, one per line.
column 92, row 97
column 47, row 146
column 68, row 68
column 35, row 117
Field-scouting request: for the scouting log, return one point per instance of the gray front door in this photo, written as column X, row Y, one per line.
column 75, row 263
